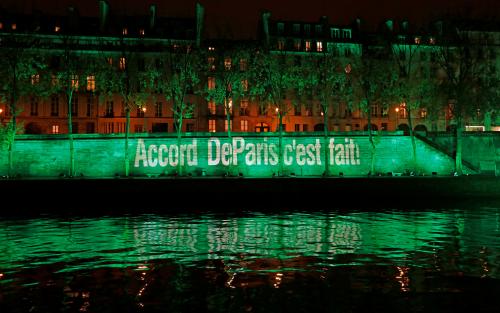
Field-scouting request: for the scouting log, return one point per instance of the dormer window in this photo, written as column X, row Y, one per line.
column 124, row 31
column 281, row 28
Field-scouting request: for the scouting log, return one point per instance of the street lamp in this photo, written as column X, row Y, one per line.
column 397, row 117
column 144, row 118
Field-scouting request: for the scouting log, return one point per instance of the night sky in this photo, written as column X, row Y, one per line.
column 239, row 18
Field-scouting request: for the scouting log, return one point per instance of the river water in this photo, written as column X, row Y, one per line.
column 418, row 260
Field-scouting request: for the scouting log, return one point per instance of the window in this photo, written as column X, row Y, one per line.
column 243, row 65
column 227, row 63
column 109, row 109
column 374, row 110
column 244, row 85
column 298, row 110
column 307, row 29
column 54, row 105
column 189, row 127
column 158, row 109
column 297, row 44
column 109, row 128
column 124, row 31
column 228, row 107
column 347, row 127
column 281, row 44
column 305, row 127
column 57, row 28
column 244, row 108
column 308, row 45
column 261, row 127
column 91, row 83
column 319, row 29
column 347, row 52
column 55, row 129
column 141, row 31
column 244, row 125
column 74, row 128
column 297, row 127
column 262, row 110
column 141, row 111
column 1, row 25
column 211, row 126
column 14, row 26
column 89, row 105
column 110, row 61
column 34, row 106
column 423, row 113
column 346, row 33
column 35, row 79
column 319, row 46
column 90, row 129
column 211, row 63
column 432, row 41
column 120, row 127
column 335, row 33
column 74, row 105
column 296, row 29
column 74, row 81
column 122, row 64
column 417, row 40
column 138, row 128
column 281, row 28
column 211, row 83
column 211, row 48
column 225, row 125
column 384, row 126
column 211, row 107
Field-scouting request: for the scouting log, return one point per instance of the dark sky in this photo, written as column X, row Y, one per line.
column 240, row 18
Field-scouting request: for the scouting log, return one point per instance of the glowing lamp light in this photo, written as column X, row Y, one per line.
column 144, row 109
column 397, row 110
column 1, row 111
column 277, row 110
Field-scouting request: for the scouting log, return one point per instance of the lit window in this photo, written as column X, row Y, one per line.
column 35, row 79
column 243, row 107
column 423, row 113
column 211, row 83
column 14, row 26
column 243, row 65
column 55, row 129
column 211, row 107
column 74, row 81
column 244, row 125
column 228, row 106
column 227, row 63
column 211, row 63
column 225, row 125
column 57, row 29
column 297, row 44
column 417, row 40
column 109, row 109
column 91, row 83
column 308, row 45
column 141, row 31
column 110, row 61
column 1, row 25
column 319, row 46
column 123, row 63
column 211, row 126
column 124, row 31
column 211, row 48
column 432, row 40
column 244, row 85
column 281, row 44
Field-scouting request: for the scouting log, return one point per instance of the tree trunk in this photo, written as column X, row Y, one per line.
column 280, row 144
column 413, row 143
column 127, row 132
column 179, row 120
column 11, row 133
column 458, row 155
column 228, row 118
column 325, row 144
column 370, row 138
column 70, row 136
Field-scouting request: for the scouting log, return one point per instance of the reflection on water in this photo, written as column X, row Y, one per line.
column 291, row 261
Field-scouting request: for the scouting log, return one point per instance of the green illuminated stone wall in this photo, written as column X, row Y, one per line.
column 252, row 155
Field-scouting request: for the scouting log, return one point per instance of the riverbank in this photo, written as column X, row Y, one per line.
column 233, row 194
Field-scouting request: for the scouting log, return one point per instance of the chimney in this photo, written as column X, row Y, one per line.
column 200, row 14
column 152, row 16
column 265, row 26
column 103, row 14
